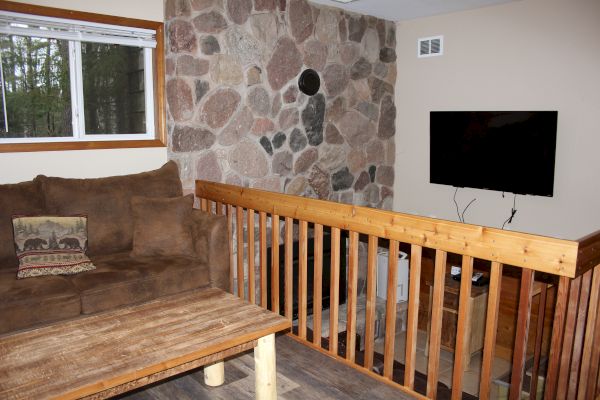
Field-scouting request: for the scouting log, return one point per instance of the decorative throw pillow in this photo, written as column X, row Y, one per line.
column 51, row 245
column 162, row 226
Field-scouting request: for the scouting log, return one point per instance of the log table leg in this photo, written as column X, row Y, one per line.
column 264, row 368
column 214, row 374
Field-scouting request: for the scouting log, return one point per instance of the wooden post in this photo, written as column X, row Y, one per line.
column 413, row 314
column 491, row 324
column 558, row 328
column 262, row 242
column 371, row 302
column 318, row 285
column 463, row 327
column 214, row 374
column 265, row 368
column 435, row 336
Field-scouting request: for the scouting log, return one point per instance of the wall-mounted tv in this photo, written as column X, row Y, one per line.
column 509, row 151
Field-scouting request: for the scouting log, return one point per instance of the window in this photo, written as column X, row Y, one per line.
column 74, row 80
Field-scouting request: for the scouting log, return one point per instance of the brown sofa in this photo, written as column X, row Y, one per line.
column 119, row 278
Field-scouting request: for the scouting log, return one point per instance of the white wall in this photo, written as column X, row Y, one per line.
column 526, row 55
column 16, row 167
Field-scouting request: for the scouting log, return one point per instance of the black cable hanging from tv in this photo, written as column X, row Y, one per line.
column 461, row 216
column 513, row 211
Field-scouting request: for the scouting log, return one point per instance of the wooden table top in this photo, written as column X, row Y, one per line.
column 87, row 355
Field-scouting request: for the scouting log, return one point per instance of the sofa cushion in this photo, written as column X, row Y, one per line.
column 29, row 302
column 106, row 201
column 16, row 199
column 50, row 245
column 162, row 226
column 120, row 280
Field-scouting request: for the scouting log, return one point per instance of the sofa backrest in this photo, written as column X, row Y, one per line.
column 16, row 199
column 106, row 202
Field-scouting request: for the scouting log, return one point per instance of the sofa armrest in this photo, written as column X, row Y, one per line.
column 212, row 246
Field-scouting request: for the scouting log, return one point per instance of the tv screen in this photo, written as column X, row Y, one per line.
column 509, row 151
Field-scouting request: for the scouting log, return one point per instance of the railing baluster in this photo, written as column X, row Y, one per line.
column 591, row 346
column 239, row 211
column 302, row 278
column 352, row 293
column 219, row 208
column 262, row 227
column 413, row 314
column 568, row 339
column 539, row 336
column 251, row 243
column 522, row 332
column 334, row 295
column 275, row 263
column 558, row 327
column 318, row 284
column 463, row 326
column 371, row 301
column 491, row 325
column 230, row 236
column 390, row 311
column 288, row 287
column 204, row 204
column 435, row 337
column 579, row 334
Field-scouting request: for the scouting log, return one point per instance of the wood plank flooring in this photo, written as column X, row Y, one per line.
column 302, row 374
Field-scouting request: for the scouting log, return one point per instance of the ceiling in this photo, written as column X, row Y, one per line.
column 398, row 10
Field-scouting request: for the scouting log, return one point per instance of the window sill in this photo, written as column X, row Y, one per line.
column 57, row 146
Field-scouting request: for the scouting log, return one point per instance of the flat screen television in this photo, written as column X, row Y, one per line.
column 509, row 151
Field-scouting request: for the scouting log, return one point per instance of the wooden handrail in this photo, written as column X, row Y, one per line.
column 574, row 356
column 539, row 253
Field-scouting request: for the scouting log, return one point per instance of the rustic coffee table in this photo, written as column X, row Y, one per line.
column 106, row 354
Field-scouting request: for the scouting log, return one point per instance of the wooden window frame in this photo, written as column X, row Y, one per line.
column 160, row 139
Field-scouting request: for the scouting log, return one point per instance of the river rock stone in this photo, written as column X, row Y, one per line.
column 387, row 118
column 186, row 139
column 315, row 54
column 176, row 8
column 253, row 75
column 276, row 106
column 356, row 160
column 264, row 29
column 298, row 140
column 300, row 19
column 332, row 135
column 375, row 152
column 291, row 94
column 219, row 107
column 191, row 66
column 355, row 128
column 285, row 63
column 248, row 159
column 361, row 69
column 233, row 179
column 226, row 70
column 390, row 152
column 385, row 175
column 262, row 126
column 199, row 5
column 278, row 140
column 362, row 181
column 335, row 110
column 368, row 109
column 239, row 10
column 391, row 35
column 282, row 163
column 336, row 79
column 258, row 100
column 288, row 118
column 380, row 70
column 241, row 44
column 319, row 182
column 349, row 52
column 202, row 87
column 237, row 128
column 182, row 37
column 209, row 45
column 270, row 183
column 332, row 157
column 211, row 22
column 297, row 186
column 265, row 5
column 207, row 167
column 379, row 88
column 342, row 180
column 312, row 119
column 356, row 28
column 266, row 144
column 370, row 45
column 326, row 29
column 343, row 29
column 372, row 171
column 371, row 194
column 179, row 98
column 305, row 160
column 387, row 55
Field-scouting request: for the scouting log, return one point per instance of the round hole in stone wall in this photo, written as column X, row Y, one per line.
column 309, row 82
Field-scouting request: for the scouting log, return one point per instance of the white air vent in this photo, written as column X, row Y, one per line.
column 430, row 46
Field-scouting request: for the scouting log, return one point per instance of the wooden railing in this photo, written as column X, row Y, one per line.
column 570, row 267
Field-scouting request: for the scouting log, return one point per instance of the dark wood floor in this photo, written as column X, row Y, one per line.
column 302, row 374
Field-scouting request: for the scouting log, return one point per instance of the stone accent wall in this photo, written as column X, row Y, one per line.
column 236, row 115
